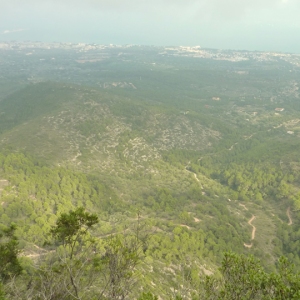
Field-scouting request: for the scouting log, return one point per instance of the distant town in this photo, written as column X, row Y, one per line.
column 185, row 51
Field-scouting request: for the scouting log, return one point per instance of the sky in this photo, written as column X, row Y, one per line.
column 263, row 25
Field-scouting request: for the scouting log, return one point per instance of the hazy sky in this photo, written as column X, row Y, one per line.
column 272, row 25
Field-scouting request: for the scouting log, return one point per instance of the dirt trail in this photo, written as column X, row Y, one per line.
column 253, row 232
column 244, row 206
column 232, row 146
column 34, row 254
column 253, row 227
column 186, row 226
column 288, row 213
column 195, row 176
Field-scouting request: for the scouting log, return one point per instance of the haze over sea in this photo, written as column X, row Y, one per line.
column 265, row 25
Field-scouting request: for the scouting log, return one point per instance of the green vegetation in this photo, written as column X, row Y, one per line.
column 244, row 278
column 10, row 265
column 82, row 266
column 204, row 151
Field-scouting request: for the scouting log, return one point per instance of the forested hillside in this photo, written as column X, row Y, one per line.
column 199, row 156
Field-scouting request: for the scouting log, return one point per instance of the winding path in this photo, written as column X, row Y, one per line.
column 244, row 206
column 253, row 232
column 288, row 213
column 195, row 176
